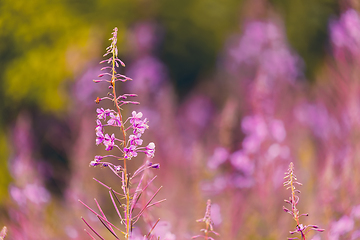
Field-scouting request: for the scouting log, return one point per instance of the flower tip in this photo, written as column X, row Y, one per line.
column 93, row 163
column 156, row 166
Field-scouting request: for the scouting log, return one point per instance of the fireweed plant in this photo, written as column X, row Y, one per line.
column 127, row 147
column 208, row 223
column 289, row 183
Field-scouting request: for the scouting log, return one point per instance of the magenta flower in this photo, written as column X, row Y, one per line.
column 102, row 114
column 150, row 149
column 136, row 117
column 99, row 137
column 135, row 140
column 130, row 152
column 109, row 141
column 99, row 126
column 114, row 120
column 96, row 161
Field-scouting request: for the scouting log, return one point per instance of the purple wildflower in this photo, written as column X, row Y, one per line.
column 130, row 152
column 109, row 142
column 135, row 140
column 141, row 127
column 99, row 137
column 136, row 117
column 150, row 149
column 156, row 166
column 96, row 160
column 99, row 126
column 102, row 114
column 94, row 163
column 114, row 120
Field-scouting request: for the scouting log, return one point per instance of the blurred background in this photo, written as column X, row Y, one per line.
column 234, row 91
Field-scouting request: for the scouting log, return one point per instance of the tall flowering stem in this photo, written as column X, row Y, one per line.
column 208, row 223
column 127, row 147
column 290, row 182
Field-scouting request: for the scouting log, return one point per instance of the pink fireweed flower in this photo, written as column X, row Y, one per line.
column 130, row 152
column 135, row 140
column 114, row 120
column 96, row 161
column 150, row 149
column 99, row 137
column 102, row 114
column 99, row 126
column 109, row 141
column 136, row 117
column 138, row 125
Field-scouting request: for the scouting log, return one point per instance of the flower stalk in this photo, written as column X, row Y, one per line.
column 208, row 224
column 128, row 146
column 290, row 182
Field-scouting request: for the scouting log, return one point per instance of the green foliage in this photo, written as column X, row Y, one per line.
column 307, row 28
column 5, row 177
column 34, row 66
column 195, row 33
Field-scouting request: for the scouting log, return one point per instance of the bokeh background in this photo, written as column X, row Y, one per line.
column 234, row 91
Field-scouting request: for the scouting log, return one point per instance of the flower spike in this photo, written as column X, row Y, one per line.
column 127, row 147
column 290, row 183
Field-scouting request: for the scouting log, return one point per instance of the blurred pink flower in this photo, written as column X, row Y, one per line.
column 162, row 230
column 219, row 157
column 345, row 33
column 242, row 162
column 344, row 225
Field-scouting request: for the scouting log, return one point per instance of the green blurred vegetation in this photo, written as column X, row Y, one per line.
column 306, row 24
column 195, row 33
column 40, row 39
column 5, row 177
